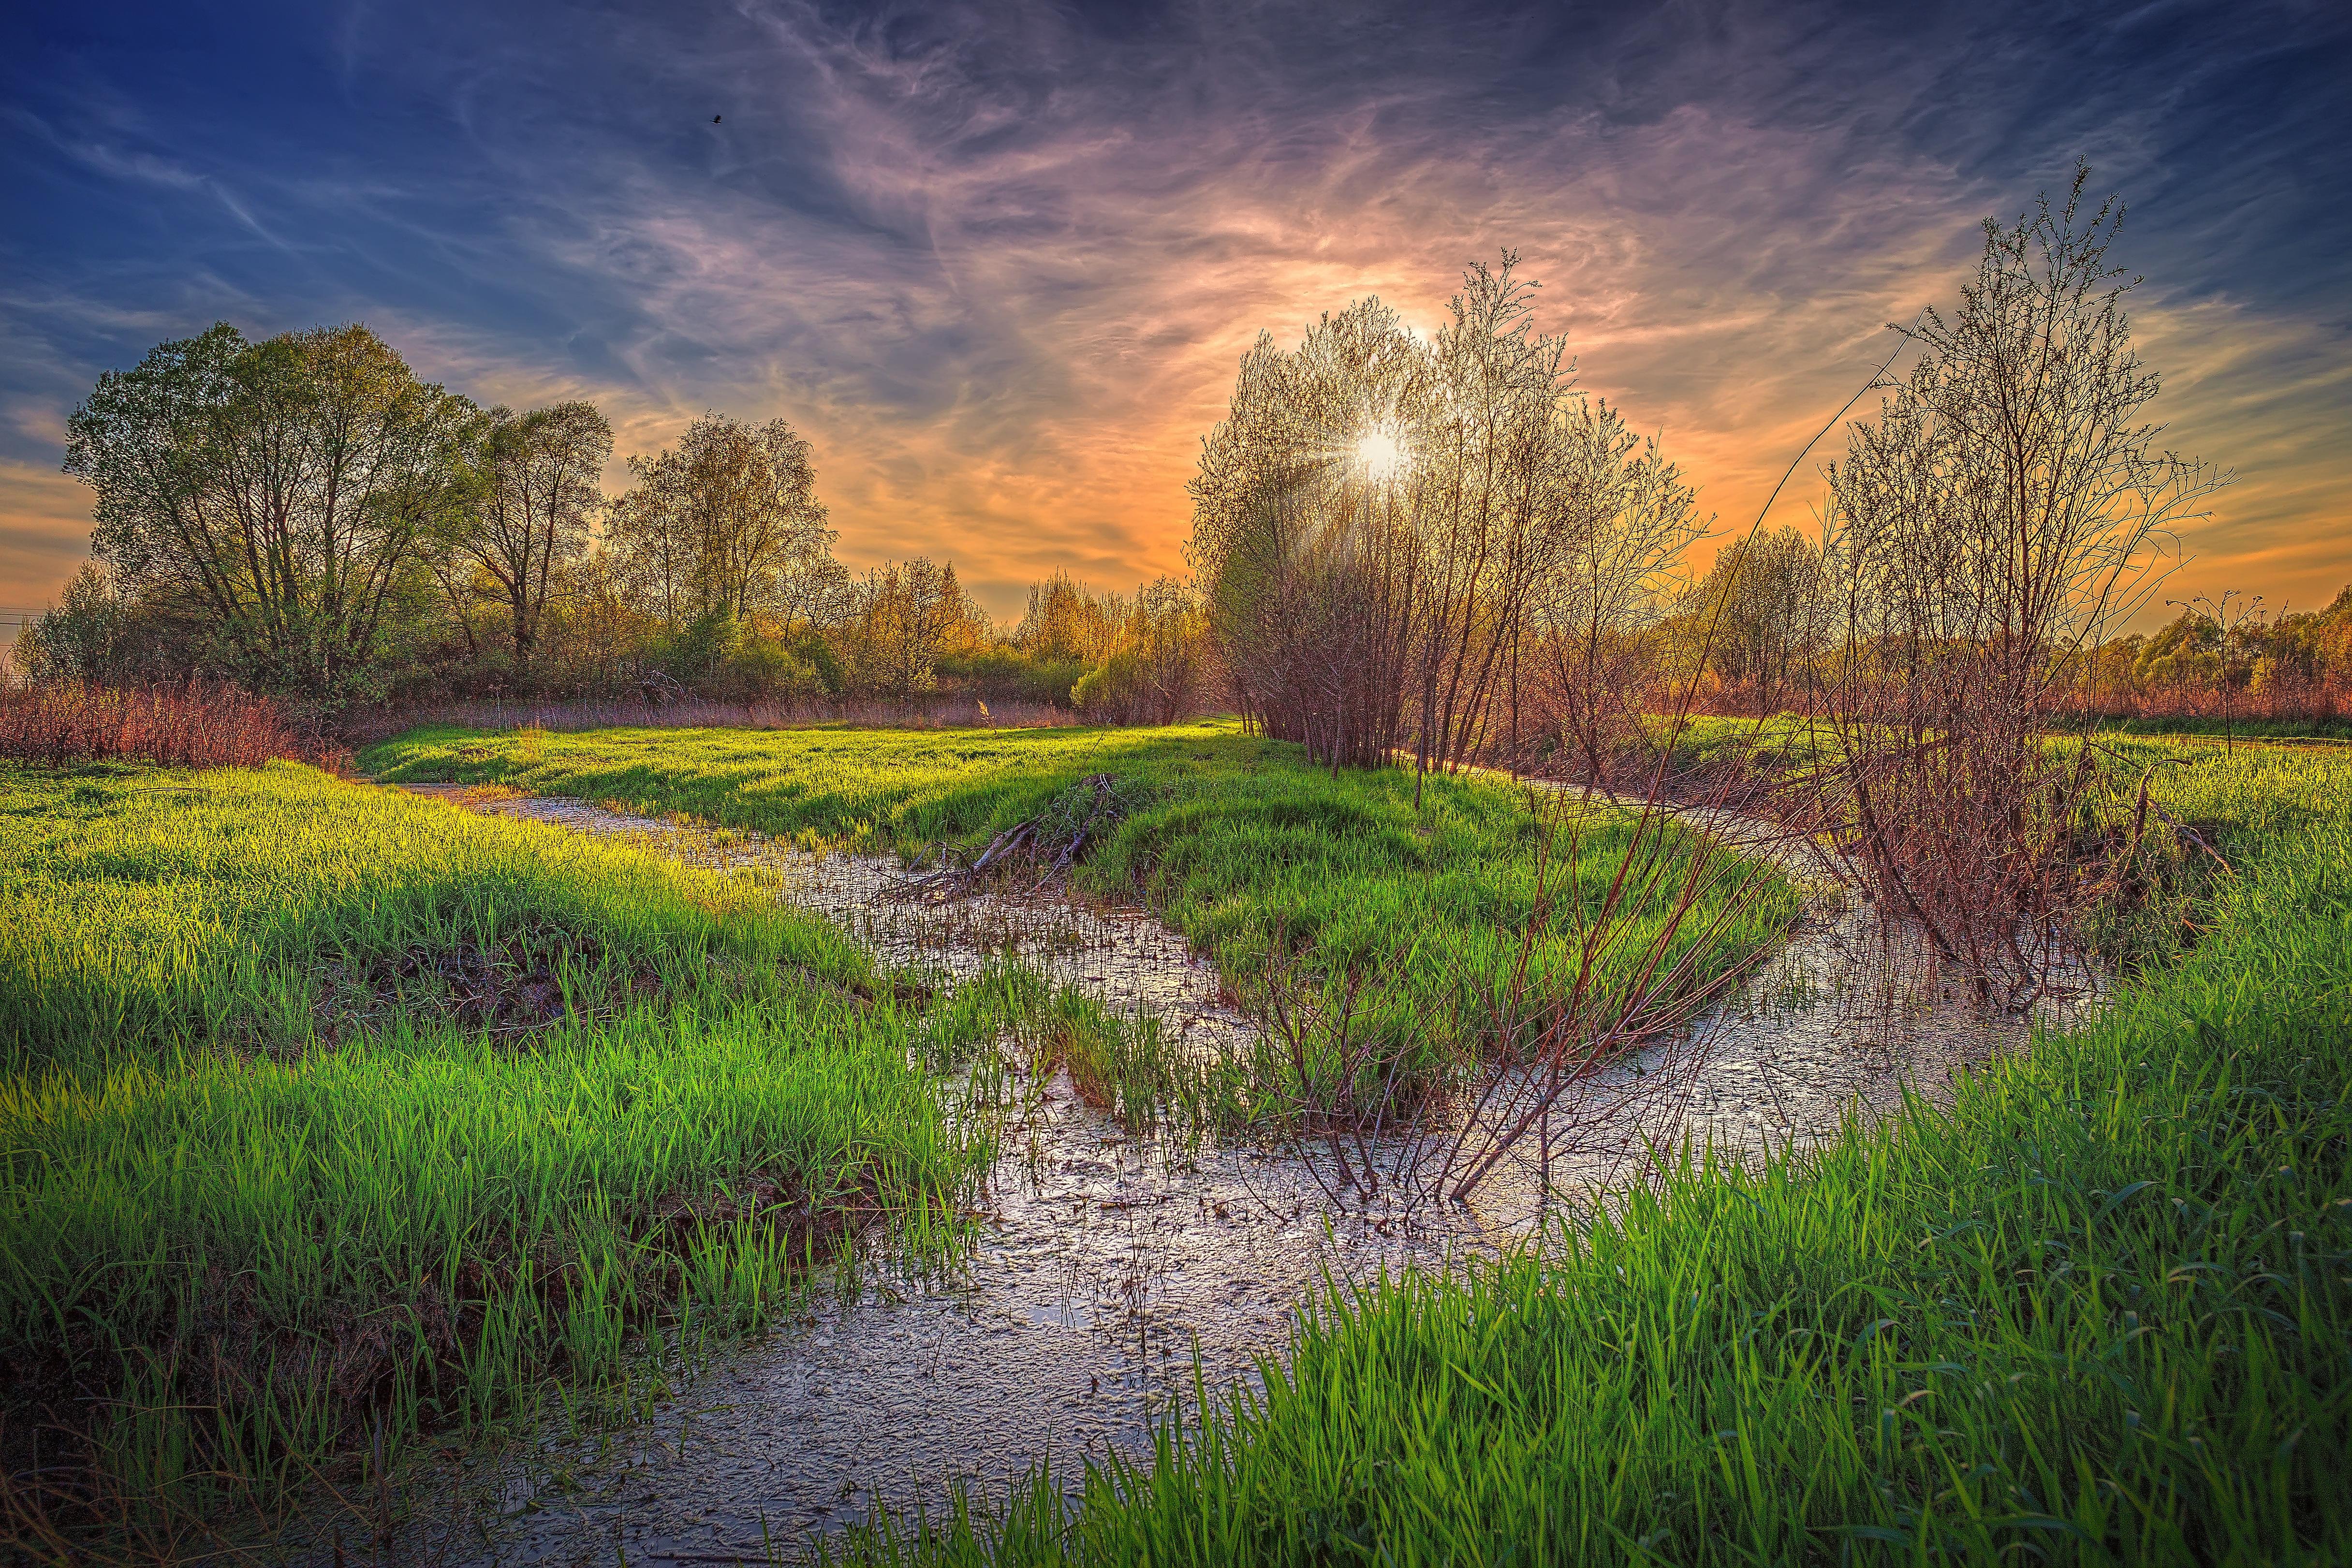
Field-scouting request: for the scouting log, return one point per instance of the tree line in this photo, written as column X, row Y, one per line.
column 306, row 517
column 1763, row 633
column 1438, row 546
column 1434, row 545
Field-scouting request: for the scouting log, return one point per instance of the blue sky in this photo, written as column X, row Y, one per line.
column 999, row 260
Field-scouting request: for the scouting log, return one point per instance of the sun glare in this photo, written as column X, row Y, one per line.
column 1378, row 452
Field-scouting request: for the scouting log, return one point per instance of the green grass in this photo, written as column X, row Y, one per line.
column 272, row 1187
column 2241, row 728
column 330, row 1109
column 1707, row 743
column 1261, row 859
column 166, row 908
column 2096, row 1310
column 276, row 1178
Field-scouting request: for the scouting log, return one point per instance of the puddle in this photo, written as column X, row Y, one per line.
column 1124, row 958
column 1109, row 1260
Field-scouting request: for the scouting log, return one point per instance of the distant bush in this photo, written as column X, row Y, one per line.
column 1117, row 692
column 199, row 725
column 1007, row 674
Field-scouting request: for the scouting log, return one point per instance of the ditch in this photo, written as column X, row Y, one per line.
column 1117, row 1273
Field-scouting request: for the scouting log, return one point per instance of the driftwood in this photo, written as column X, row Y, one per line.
column 1056, row 839
column 659, row 687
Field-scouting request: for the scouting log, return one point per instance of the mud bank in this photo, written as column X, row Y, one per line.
column 1107, row 1262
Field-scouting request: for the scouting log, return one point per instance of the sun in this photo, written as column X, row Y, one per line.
column 1378, row 454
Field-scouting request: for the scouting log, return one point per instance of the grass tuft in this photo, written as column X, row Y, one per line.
column 285, row 1176
column 2097, row 1309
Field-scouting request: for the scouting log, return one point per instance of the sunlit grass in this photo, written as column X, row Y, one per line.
column 2097, row 1309
column 251, row 1219
column 185, row 907
column 1260, row 858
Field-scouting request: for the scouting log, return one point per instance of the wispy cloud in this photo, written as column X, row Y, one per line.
column 1000, row 259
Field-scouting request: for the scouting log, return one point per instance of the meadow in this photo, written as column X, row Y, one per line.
column 2097, row 1308
column 338, row 1117
column 1458, row 916
column 334, row 1116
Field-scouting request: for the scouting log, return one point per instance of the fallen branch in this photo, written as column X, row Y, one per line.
column 1078, row 819
column 2192, row 835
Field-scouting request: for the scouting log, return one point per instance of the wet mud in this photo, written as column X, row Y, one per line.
column 1107, row 1261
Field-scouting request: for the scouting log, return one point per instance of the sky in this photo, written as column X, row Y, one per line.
column 999, row 260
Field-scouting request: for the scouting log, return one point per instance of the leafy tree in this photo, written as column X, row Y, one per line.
column 1159, row 668
column 278, row 486
column 1765, row 599
column 84, row 638
column 728, row 522
column 1386, row 526
column 1066, row 623
column 908, row 615
column 531, row 508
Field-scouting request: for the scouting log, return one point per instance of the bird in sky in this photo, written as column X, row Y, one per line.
column 714, row 118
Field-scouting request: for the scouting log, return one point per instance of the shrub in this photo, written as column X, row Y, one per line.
column 199, row 725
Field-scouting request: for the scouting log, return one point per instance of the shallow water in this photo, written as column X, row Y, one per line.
column 1108, row 1261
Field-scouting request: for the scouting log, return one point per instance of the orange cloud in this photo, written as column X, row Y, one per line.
column 1001, row 270
column 44, row 533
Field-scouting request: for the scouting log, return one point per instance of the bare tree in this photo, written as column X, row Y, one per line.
column 1501, row 498
column 2002, row 512
column 2229, row 632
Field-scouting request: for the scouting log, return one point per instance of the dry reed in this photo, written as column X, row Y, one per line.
column 201, row 725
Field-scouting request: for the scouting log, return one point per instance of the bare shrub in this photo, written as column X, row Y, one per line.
column 1637, row 982
column 2002, row 513
column 199, row 725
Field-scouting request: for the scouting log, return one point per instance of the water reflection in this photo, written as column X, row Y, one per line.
column 1108, row 1261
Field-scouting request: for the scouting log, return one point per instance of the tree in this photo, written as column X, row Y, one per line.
column 82, row 639
column 279, row 486
column 1304, row 551
column 1591, row 657
column 2006, row 503
column 1765, row 599
column 1065, row 623
column 2002, row 512
column 728, row 523
column 1156, row 669
column 535, row 497
column 908, row 613
column 1383, row 525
